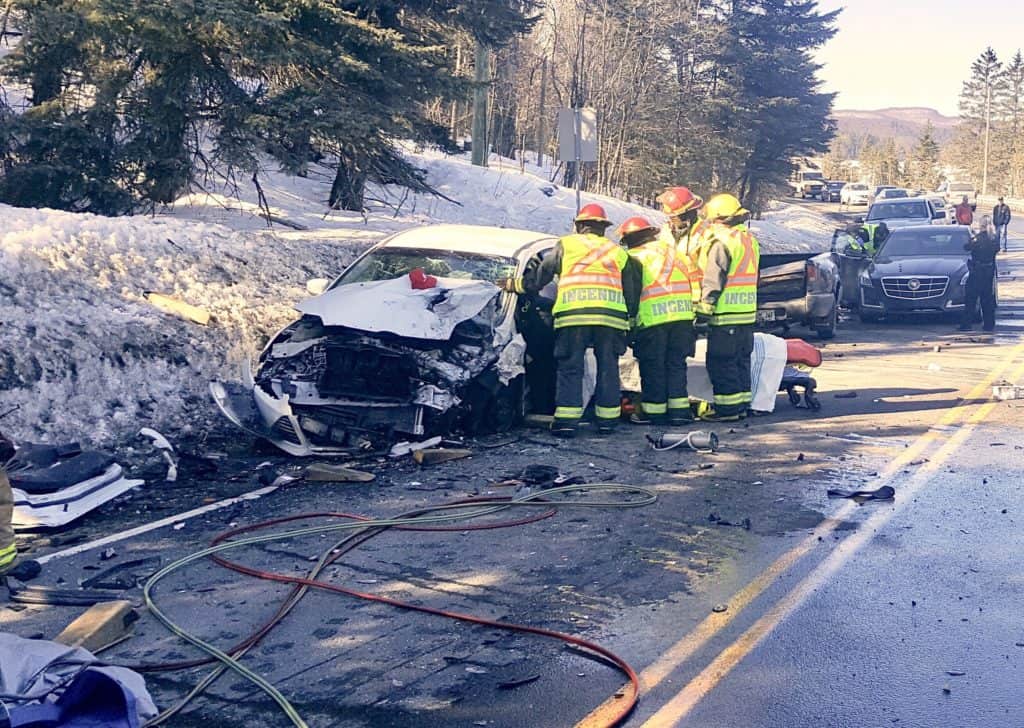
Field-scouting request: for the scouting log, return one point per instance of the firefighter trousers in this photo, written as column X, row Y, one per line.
column 8, row 550
column 571, row 344
column 661, row 352
column 728, row 364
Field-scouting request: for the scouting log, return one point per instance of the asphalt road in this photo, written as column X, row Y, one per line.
column 808, row 636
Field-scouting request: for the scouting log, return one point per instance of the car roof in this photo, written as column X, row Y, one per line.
column 482, row 239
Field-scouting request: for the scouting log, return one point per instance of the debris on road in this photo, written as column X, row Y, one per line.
column 102, row 625
column 519, row 682
column 433, row 456
column 698, row 441
column 886, row 492
column 401, row 449
column 845, row 395
column 719, row 521
column 720, row 608
column 1005, row 391
column 330, row 473
column 162, row 444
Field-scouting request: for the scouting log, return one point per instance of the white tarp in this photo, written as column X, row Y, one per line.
column 395, row 307
column 51, row 510
column 766, row 367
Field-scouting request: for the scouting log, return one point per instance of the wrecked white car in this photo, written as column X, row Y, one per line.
column 413, row 339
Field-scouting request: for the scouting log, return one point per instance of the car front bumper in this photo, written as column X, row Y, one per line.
column 873, row 298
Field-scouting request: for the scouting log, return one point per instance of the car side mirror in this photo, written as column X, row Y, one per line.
column 316, row 286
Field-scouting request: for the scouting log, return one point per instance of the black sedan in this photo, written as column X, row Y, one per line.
column 920, row 269
column 833, row 192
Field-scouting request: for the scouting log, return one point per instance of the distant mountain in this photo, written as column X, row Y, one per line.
column 904, row 124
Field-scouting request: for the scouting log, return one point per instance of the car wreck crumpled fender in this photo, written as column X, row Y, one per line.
column 371, row 361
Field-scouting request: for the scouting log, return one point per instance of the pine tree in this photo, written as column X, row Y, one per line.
column 1010, row 112
column 977, row 103
column 923, row 166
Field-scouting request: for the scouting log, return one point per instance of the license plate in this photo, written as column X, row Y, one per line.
column 765, row 317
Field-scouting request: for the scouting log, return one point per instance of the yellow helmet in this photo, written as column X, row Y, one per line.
column 722, row 207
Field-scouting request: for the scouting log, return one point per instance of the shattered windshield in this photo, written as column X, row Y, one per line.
column 906, row 243
column 388, row 263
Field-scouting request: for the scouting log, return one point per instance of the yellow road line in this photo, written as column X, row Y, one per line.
column 680, row 706
column 682, row 650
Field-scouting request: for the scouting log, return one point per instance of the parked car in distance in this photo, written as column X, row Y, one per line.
column 954, row 192
column 892, row 193
column 855, row 193
column 918, row 269
column 833, row 191
column 939, row 205
column 897, row 213
column 878, row 190
column 808, row 183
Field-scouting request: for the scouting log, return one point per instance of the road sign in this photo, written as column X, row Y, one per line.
column 577, row 135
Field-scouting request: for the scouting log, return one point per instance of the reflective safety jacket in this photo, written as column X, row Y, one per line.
column 590, row 283
column 869, row 247
column 666, row 295
column 731, row 262
column 690, row 245
column 8, row 549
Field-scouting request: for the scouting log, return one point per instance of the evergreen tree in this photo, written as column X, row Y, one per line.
column 923, row 166
column 977, row 103
column 134, row 102
column 1010, row 112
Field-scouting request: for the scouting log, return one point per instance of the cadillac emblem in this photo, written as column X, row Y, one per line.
column 913, row 284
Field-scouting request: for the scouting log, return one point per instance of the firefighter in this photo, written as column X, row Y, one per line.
column 8, row 550
column 589, row 313
column 663, row 334
column 684, row 225
column 728, row 304
column 867, row 236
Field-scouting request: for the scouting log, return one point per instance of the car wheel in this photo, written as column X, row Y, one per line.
column 827, row 329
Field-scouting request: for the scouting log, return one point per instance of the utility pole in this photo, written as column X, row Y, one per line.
column 481, row 81
column 541, row 131
column 988, row 131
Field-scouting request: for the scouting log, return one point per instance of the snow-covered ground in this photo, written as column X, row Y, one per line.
column 87, row 357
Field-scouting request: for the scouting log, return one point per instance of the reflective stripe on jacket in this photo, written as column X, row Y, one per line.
column 8, row 549
column 590, row 283
column 666, row 296
column 730, row 296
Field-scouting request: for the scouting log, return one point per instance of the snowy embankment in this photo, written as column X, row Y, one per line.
column 87, row 357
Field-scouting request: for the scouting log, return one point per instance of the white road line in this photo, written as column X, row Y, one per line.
column 145, row 528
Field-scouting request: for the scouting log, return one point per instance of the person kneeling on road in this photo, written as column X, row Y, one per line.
column 983, row 247
column 728, row 304
column 589, row 313
column 663, row 333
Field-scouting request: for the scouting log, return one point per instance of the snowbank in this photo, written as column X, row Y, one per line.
column 788, row 228
column 87, row 357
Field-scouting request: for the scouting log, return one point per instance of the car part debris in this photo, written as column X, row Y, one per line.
column 177, row 307
column 698, row 441
column 1005, row 391
column 166, row 450
column 104, row 580
column 53, row 596
column 433, row 456
column 25, row 570
column 720, row 608
column 845, row 395
column 61, row 507
column 329, row 473
column 716, row 519
column 519, row 682
column 886, row 492
column 102, row 624
column 403, row 448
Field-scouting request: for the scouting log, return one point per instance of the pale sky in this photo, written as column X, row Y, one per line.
column 914, row 52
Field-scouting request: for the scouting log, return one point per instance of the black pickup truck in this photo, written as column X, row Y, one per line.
column 799, row 289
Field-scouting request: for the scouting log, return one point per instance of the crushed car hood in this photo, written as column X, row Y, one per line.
column 395, row 307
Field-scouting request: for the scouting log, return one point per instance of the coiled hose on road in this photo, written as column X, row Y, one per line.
column 361, row 530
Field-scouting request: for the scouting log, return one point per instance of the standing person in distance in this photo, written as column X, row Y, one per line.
column 963, row 214
column 983, row 247
column 589, row 313
column 1001, row 217
column 730, row 261
column 663, row 334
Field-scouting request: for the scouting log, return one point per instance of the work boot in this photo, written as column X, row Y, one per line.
column 563, row 429
column 606, row 427
column 709, row 414
column 680, row 417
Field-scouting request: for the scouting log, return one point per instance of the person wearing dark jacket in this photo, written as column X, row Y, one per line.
column 8, row 549
column 1001, row 219
column 983, row 247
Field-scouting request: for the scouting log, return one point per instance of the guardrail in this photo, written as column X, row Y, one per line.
column 988, row 202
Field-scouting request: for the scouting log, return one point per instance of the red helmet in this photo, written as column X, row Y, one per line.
column 634, row 225
column 678, row 201
column 592, row 213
